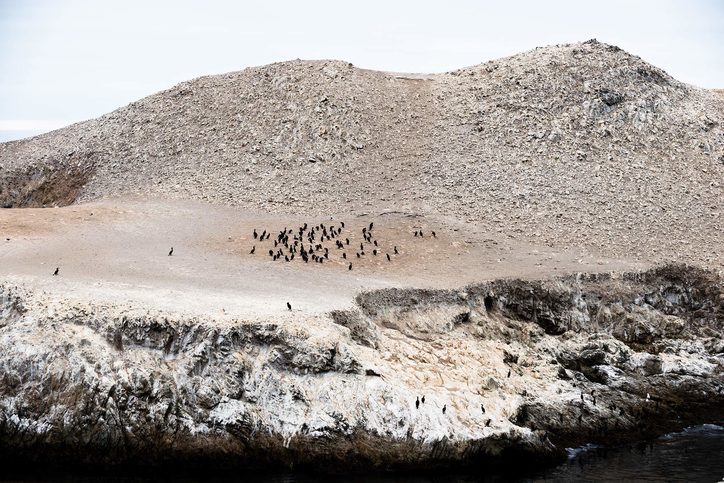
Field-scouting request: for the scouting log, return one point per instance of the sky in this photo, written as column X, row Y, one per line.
column 63, row 61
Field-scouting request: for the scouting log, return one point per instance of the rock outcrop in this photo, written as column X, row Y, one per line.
column 522, row 367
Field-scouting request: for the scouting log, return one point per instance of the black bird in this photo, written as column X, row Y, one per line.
column 581, row 396
column 388, row 257
column 361, row 247
column 357, row 254
column 170, row 252
column 487, row 423
column 444, row 408
column 342, row 223
column 344, row 255
column 289, row 306
column 482, row 408
column 423, row 399
column 271, row 253
column 374, row 252
column 396, row 252
column 57, row 269
column 371, row 225
column 415, row 233
column 255, row 234
column 286, row 258
column 417, row 403
column 420, row 233
column 434, row 235
column 350, row 266
column 347, row 239
column 508, row 372
column 253, row 249
column 376, row 243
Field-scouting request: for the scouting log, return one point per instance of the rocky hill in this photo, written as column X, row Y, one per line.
column 580, row 144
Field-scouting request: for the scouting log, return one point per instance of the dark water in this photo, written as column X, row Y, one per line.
column 693, row 455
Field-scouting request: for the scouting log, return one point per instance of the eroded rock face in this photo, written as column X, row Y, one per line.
column 520, row 366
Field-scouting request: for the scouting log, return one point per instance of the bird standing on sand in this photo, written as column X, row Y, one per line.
column 57, row 269
column 444, row 408
column 417, row 403
column 289, row 306
column 253, row 249
column 508, row 372
column 255, row 234
column 350, row 266
column 388, row 257
column 482, row 408
column 434, row 235
column 170, row 252
column 423, row 400
column 396, row 252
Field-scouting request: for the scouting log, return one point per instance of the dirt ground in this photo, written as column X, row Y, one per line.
column 116, row 251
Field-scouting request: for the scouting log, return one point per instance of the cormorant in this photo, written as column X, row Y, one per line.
column 444, row 408
column 371, row 225
column 342, row 223
column 374, row 252
column 508, row 372
column 347, row 239
column 289, row 306
column 487, row 423
column 255, row 234
column 253, row 249
column 423, row 399
column 357, row 254
column 417, row 403
column 415, row 233
column 396, row 252
column 350, row 266
column 388, row 257
column 482, row 408
column 57, row 269
column 361, row 247
column 434, row 235
column 344, row 255
column 376, row 243
column 170, row 252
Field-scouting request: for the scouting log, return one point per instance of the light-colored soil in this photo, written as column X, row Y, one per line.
column 116, row 252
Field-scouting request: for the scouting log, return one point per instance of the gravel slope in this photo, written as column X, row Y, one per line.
column 573, row 145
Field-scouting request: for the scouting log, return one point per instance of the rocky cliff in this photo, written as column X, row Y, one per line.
column 405, row 379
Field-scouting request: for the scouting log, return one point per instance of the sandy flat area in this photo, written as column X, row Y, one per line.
column 116, row 251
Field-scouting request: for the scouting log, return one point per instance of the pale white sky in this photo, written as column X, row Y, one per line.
column 67, row 60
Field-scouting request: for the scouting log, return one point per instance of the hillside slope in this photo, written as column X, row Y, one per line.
column 580, row 144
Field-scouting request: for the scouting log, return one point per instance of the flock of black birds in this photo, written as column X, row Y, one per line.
column 311, row 244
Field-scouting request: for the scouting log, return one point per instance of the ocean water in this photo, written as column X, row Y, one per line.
column 695, row 454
